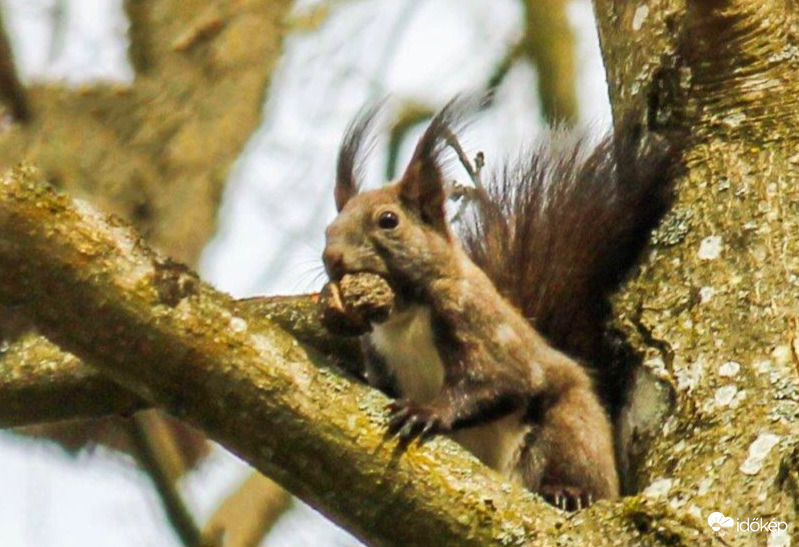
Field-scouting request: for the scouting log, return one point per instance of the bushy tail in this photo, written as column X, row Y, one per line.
column 559, row 230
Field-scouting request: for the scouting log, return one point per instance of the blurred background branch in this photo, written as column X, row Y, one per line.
column 549, row 43
column 12, row 92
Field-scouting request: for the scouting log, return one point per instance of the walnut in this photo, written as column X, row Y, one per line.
column 349, row 307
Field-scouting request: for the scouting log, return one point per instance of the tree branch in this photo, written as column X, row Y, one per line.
column 40, row 382
column 549, row 43
column 153, row 448
column 246, row 516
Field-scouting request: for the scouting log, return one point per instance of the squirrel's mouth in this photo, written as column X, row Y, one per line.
column 336, row 276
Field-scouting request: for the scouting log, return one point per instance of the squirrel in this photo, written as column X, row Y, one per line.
column 488, row 337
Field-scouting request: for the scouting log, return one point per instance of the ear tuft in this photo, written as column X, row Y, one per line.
column 422, row 185
column 354, row 147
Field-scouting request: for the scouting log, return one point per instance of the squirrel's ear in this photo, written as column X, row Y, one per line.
column 345, row 189
column 356, row 144
column 422, row 185
column 422, row 189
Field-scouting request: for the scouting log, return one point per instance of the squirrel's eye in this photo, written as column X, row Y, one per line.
column 388, row 220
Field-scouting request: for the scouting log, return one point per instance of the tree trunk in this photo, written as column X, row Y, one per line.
column 717, row 301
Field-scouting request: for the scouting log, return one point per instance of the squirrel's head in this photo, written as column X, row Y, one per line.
column 399, row 231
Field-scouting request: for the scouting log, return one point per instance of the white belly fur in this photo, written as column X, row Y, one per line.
column 405, row 341
column 406, row 344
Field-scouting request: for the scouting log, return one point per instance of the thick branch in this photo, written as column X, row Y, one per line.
column 154, row 327
column 40, row 382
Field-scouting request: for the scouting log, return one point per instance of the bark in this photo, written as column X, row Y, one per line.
column 716, row 302
column 41, row 383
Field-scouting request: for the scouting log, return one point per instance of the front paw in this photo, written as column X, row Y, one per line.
column 410, row 420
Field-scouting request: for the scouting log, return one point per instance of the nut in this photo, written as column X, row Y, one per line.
column 348, row 308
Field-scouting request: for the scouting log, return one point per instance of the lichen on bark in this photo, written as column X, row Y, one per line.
column 714, row 308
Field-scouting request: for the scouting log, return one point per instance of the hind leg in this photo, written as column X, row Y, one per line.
column 570, row 458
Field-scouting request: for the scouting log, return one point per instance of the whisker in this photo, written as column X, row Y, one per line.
column 310, row 279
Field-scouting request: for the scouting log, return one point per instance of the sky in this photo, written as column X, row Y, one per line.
column 278, row 200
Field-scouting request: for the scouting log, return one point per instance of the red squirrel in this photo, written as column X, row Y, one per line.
column 487, row 335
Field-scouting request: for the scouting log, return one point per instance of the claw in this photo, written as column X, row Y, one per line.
column 428, row 430
column 394, row 406
column 567, row 498
column 408, row 421
column 398, row 419
column 405, row 435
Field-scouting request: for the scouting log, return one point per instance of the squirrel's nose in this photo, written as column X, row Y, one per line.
column 334, row 263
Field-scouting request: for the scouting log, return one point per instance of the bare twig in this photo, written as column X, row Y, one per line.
column 501, row 70
column 153, row 447
column 464, row 194
column 410, row 115
column 479, row 160
column 479, row 163
column 58, row 36
column 247, row 515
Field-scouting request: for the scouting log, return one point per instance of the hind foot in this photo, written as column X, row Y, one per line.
column 566, row 498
